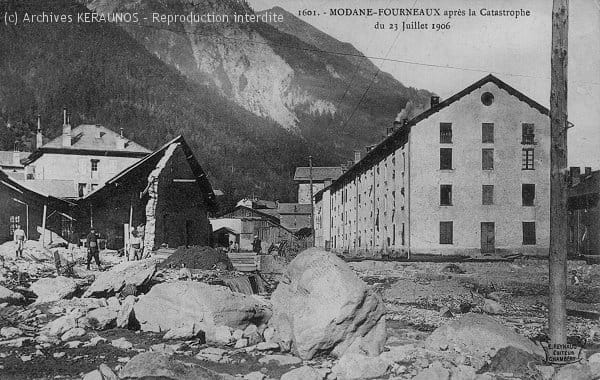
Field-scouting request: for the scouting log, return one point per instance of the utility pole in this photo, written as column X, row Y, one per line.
column 312, row 203
column 557, row 318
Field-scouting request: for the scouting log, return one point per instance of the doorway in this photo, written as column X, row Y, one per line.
column 488, row 238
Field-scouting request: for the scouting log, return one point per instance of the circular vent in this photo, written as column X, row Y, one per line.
column 487, row 98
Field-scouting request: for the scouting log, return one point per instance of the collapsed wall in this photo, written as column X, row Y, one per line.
column 153, row 179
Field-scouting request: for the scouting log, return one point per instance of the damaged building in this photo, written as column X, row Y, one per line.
column 470, row 175
column 584, row 212
column 167, row 193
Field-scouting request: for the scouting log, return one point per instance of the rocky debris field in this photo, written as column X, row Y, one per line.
column 322, row 318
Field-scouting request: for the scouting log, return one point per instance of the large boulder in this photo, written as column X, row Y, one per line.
column 8, row 296
column 137, row 273
column 156, row 365
column 480, row 336
column 188, row 303
column 53, row 289
column 320, row 305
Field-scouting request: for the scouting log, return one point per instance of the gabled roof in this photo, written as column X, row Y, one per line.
column 260, row 213
column 86, row 137
column 294, row 208
column 199, row 173
column 91, row 139
column 319, row 173
column 400, row 136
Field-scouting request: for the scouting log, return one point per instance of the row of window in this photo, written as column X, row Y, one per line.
column 487, row 133
column 487, row 159
column 487, row 194
column 488, row 232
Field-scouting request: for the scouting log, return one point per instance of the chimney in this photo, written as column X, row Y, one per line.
column 39, row 138
column 435, row 100
column 121, row 140
column 66, row 133
column 97, row 132
column 356, row 156
column 588, row 171
column 16, row 159
column 574, row 174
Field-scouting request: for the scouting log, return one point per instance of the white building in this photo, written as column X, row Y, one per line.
column 471, row 175
column 87, row 156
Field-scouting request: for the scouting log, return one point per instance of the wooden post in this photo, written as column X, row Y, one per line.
column 45, row 213
column 557, row 319
column 312, row 202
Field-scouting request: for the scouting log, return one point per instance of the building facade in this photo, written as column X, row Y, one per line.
column 322, row 176
column 87, row 155
column 468, row 176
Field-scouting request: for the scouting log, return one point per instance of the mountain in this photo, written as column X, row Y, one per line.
column 251, row 107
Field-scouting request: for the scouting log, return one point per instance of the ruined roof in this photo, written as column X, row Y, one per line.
column 319, row 173
column 400, row 136
column 201, row 178
column 295, row 208
column 55, row 188
column 7, row 158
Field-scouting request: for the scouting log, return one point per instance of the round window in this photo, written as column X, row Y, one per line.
column 487, row 98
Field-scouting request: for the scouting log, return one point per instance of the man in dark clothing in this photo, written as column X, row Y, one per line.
column 93, row 249
column 256, row 245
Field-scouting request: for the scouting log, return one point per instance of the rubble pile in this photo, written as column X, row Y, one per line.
column 197, row 257
column 405, row 320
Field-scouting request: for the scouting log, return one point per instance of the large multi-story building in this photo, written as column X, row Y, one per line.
column 320, row 176
column 87, row 156
column 471, row 175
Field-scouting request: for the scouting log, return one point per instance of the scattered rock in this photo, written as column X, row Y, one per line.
column 480, row 336
column 158, row 365
column 574, row 371
column 513, row 360
column 102, row 318
column 63, row 324
column 211, row 353
column 94, row 375
column 73, row 344
column 492, row 307
column 237, row 334
column 122, row 343
column 452, row 268
column 10, row 297
column 73, row 333
column 126, row 317
column 26, row 358
column 241, row 343
column 58, row 355
column 109, row 283
column 186, row 331
column 321, row 305
column 53, row 289
column 94, row 341
column 280, row 359
column 10, row 332
column 302, row 373
column 269, row 334
column 446, row 313
column 250, row 330
column 435, row 371
column 353, row 366
column 256, row 375
column 264, row 346
column 107, row 373
column 172, row 304
column 222, row 335
column 114, row 303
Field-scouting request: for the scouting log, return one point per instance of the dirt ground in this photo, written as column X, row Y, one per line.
column 419, row 297
column 417, row 294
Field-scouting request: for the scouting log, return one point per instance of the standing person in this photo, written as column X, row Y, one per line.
column 19, row 236
column 93, row 249
column 230, row 248
column 136, row 245
column 256, row 245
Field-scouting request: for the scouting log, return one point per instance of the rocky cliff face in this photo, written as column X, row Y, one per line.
column 274, row 71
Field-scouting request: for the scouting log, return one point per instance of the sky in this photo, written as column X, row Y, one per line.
column 516, row 50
